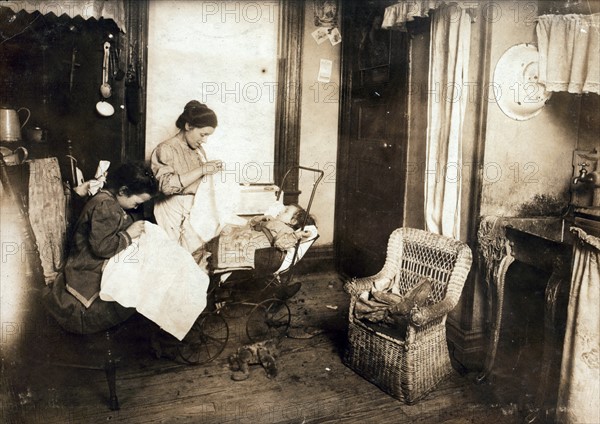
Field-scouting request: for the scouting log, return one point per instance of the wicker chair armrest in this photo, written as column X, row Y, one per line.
column 426, row 314
column 422, row 316
column 356, row 286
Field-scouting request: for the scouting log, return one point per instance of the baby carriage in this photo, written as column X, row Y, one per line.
column 258, row 294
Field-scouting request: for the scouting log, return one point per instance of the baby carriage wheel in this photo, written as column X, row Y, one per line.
column 207, row 339
column 269, row 319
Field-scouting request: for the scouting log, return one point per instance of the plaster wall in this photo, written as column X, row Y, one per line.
column 223, row 54
column 319, row 126
column 531, row 157
column 226, row 56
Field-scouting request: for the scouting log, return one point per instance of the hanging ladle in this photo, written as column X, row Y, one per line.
column 104, row 108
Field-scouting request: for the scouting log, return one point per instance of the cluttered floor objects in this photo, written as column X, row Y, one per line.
column 302, row 380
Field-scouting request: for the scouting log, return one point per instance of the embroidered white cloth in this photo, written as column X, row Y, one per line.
column 107, row 9
column 568, row 47
column 160, row 279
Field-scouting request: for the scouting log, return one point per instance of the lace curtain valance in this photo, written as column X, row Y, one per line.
column 568, row 46
column 107, row 9
column 396, row 16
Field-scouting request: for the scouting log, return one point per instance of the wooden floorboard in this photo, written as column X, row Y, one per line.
column 313, row 386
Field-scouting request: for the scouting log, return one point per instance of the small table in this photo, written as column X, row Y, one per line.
column 544, row 243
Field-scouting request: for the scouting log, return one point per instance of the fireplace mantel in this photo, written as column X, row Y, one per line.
column 544, row 243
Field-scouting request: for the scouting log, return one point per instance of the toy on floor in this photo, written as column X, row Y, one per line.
column 263, row 353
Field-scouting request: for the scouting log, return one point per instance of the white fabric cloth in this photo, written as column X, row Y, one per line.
column 160, row 279
column 568, row 47
column 579, row 388
column 99, row 178
column 107, row 9
column 448, row 72
column 173, row 215
column 214, row 205
column 396, row 15
column 305, row 244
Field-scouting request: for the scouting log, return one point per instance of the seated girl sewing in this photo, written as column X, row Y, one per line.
column 103, row 230
column 236, row 246
column 116, row 267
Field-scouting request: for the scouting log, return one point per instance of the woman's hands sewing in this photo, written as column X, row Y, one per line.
column 191, row 179
column 212, row 167
column 136, row 229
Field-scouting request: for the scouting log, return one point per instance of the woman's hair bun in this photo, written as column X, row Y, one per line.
column 197, row 115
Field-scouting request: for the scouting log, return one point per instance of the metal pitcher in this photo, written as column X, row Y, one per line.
column 10, row 126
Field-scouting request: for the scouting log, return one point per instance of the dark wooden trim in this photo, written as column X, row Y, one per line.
column 467, row 347
column 346, row 58
column 288, row 109
column 136, row 48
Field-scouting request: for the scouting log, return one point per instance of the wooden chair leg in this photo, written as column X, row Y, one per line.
column 110, row 368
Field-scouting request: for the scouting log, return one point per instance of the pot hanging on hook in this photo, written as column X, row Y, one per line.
column 103, row 107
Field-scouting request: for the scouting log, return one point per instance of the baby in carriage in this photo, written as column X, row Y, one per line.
column 236, row 246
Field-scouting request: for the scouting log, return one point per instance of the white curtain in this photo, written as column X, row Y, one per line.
column 106, row 9
column 579, row 388
column 448, row 71
column 569, row 46
column 396, row 15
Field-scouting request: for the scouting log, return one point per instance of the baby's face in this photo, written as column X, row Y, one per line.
column 287, row 214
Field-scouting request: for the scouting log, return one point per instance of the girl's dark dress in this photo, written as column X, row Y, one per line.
column 73, row 300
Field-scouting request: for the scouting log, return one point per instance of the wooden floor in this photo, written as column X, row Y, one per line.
column 313, row 386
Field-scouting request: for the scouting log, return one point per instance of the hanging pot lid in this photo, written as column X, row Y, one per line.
column 516, row 88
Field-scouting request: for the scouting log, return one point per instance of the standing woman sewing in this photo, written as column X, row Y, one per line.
column 179, row 164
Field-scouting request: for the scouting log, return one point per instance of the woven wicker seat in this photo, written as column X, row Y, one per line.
column 409, row 367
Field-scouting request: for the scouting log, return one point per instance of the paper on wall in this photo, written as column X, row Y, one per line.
column 325, row 70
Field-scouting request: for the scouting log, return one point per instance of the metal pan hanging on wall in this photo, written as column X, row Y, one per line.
column 517, row 90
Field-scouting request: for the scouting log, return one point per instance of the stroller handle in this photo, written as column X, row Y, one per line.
column 312, row 194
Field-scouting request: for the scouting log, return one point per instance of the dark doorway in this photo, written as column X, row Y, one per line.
column 373, row 139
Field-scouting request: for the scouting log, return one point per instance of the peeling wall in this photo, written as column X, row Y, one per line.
column 525, row 158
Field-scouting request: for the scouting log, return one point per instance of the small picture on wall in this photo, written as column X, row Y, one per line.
column 334, row 36
column 320, row 35
column 325, row 13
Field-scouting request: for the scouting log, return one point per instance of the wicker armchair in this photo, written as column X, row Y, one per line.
column 410, row 365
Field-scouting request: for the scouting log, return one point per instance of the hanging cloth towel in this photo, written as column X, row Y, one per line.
column 579, row 387
column 99, row 178
column 160, row 279
column 47, row 214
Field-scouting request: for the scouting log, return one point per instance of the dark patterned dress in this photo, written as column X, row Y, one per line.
column 73, row 299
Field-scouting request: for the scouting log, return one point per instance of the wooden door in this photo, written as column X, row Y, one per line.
column 373, row 138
